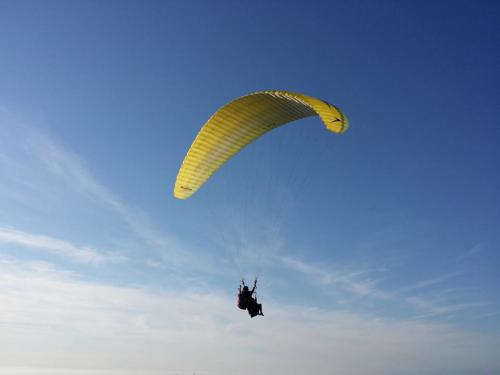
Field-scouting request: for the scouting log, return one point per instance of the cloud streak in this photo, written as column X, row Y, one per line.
column 144, row 328
column 344, row 279
column 81, row 254
column 66, row 166
column 422, row 284
column 357, row 283
column 473, row 251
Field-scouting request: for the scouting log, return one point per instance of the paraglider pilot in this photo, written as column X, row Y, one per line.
column 246, row 300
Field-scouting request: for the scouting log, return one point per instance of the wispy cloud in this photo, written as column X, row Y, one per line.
column 144, row 328
column 473, row 251
column 358, row 283
column 429, row 282
column 83, row 254
column 69, row 168
column 353, row 281
column 38, row 172
column 432, row 309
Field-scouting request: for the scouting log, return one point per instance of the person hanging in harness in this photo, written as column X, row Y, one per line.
column 246, row 300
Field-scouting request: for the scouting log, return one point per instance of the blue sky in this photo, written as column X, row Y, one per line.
column 377, row 249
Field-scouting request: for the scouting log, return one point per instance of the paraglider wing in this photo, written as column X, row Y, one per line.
column 241, row 122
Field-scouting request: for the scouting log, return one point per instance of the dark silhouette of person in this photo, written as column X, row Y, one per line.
column 246, row 300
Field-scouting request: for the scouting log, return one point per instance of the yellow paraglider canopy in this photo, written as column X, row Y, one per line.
column 241, row 122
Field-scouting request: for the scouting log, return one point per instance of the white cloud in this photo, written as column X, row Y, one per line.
column 359, row 284
column 68, row 167
column 432, row 309
column 430, row 282
column 68, row 171
column 348, row 280
column 53, row 318
column 83, row 254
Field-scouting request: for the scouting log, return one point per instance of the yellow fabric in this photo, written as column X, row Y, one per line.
column 241, row 122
